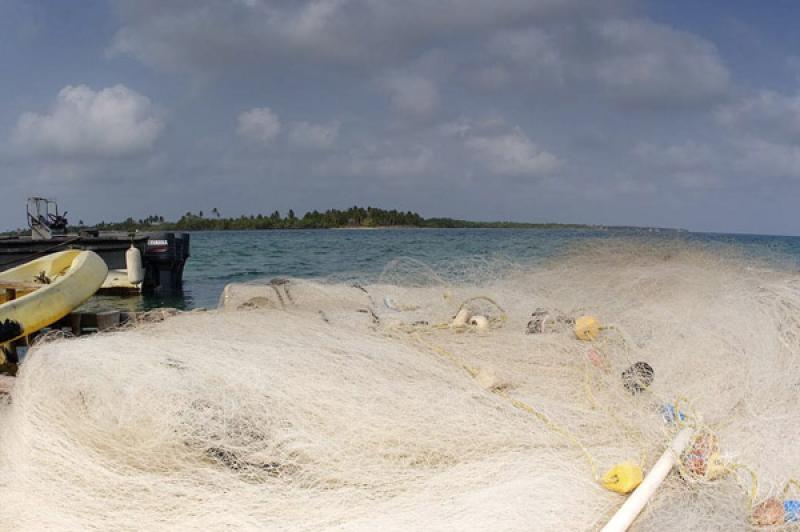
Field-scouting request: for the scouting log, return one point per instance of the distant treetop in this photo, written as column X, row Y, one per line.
column 354, row 217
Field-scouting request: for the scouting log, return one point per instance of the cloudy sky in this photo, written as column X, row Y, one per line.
column 668, row 113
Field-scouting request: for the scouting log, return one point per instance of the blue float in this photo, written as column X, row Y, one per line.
column 668, row 413
column 791, row 510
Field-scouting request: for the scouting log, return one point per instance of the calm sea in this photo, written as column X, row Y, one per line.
column 218, row 258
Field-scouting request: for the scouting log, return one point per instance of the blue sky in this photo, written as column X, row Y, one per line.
column 681, row 114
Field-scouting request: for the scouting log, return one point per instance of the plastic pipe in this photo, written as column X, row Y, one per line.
column 638, row 499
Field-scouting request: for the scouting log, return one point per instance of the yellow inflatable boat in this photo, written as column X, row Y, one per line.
column 41, row 292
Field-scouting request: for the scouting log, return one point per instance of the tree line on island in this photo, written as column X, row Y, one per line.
column 354, row 217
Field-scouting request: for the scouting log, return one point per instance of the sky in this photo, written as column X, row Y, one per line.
column 612, row 112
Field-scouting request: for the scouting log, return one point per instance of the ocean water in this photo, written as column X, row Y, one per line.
column 219, row 258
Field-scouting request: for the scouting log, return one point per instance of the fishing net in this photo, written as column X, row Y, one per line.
column 310, row 405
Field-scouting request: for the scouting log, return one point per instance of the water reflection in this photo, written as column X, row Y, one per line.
column 138, row 302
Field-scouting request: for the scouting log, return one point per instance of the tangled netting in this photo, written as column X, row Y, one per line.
column 306, row 405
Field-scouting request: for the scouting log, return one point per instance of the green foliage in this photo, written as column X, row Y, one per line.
column 354, row 217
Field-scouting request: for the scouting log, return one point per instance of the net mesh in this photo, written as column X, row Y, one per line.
column 306, row 405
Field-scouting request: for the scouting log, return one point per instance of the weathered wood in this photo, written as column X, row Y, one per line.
column 107, row 320
column 75, row 323
column 26, row 286
column 88, row 322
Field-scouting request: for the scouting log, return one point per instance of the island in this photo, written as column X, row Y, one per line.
column 352, row 218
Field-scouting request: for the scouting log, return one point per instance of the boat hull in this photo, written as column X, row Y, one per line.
column 45, row 290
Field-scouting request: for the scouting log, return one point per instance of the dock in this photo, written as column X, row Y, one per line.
column 163, row 254
column 83, row 323
column 155, row 266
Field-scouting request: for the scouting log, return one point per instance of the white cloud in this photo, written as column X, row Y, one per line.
column 512, row 154
column 390, row 162
column 648, row 63
column 501, row 149
column 490, row 77
column 83, row 123
column 765, row 113
column 742, row 160
column 534, row 52
column 677, row 157
column 313, row 136
column 689, row 165
column 452, row 152
column 412, row 95
column 463, row 127
column 259, row 125
column 761, row 137
column 214, row 35
column 632, row 61
column 759, row 158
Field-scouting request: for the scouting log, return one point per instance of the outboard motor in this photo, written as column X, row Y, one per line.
column 165, row 255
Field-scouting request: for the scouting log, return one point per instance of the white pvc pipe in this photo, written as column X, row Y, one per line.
column 638, row 499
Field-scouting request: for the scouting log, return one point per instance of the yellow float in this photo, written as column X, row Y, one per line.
column 587, row 328
column 41, row 292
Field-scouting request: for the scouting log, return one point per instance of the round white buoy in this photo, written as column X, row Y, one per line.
column 479, row 322
column 133, row 263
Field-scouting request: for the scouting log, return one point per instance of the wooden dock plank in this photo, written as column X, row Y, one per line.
column 27, row 286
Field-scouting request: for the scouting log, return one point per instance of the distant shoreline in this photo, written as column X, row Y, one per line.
column 477, row 225
column 354, row 218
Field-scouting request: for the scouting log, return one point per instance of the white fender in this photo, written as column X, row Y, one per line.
column 133, row 263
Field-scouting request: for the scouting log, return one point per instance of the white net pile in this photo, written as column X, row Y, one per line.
column 316, row 406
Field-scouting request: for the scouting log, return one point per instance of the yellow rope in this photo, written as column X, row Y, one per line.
column 484, row 298
column 713, row 467
column 789, row 483
column 549, row 423
column 690, row 407
column 626, row 427
column 541, row 416
column 753, row 494
column 691, row 420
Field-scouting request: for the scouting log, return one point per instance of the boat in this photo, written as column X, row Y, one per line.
column 161, row 255
column 42, row 291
